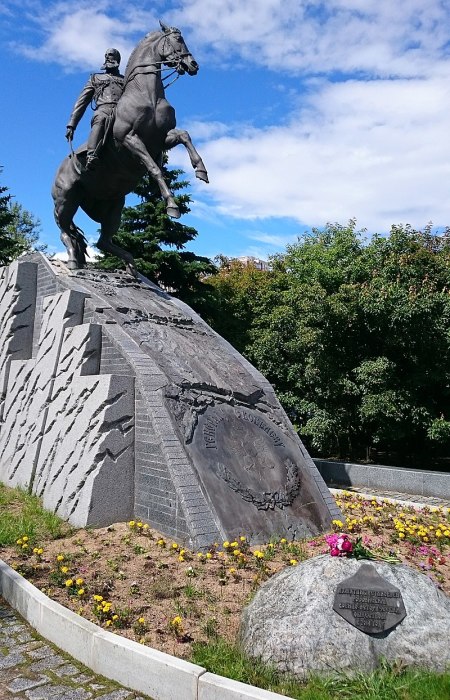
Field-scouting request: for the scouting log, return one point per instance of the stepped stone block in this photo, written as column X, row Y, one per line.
column 133, row 406
column 17, row 302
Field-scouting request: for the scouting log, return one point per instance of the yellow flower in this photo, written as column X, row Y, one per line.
column 338, row 523
column 232, row 570
column 447, row 533
column 236, row 552
column 226, row 544
column 25, row 538
column 79, row 581
column 438, row 533
column 208, row 555
column 258, row 554
column 69, row 582
column 141, row 620
column 174, row 545
column 200, row 555
column 401, row 535
column 40, row 551
column 25, row 546
column 161, row 543
column 115, row 617
column 108, row 623
column 98, row 598
column 64, row 569
column 132, row 523
column 181, row 558
column 60, row 557
column 293, row 562
column 145, row 526
column 233, row 544
column 81, row 591
column 176, row 622
column 19, row 542
column 242, row 538
column 139, row 524
column 283, row 540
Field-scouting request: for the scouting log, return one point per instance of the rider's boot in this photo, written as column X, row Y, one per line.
column 91, row 160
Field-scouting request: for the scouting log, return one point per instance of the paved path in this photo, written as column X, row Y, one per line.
column 397, row 497
column 32, row 669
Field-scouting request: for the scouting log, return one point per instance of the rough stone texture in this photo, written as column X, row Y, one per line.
column 291, row 622
column 29, row 394
column 214, row 454
column 17, row 301
column 85, row 470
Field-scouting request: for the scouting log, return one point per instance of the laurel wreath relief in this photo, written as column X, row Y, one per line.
column 267, row 500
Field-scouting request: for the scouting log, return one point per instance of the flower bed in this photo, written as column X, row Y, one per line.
column 130, row 579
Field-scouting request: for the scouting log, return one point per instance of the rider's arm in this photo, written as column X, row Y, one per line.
column 81, row 104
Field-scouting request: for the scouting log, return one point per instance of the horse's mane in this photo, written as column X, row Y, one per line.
column 151, row 36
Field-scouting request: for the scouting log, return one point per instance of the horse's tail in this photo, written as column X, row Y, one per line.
column 78, row 240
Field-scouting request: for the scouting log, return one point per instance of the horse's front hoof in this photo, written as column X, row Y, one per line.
column 202, row 175
column 72, row 265
column 173, row 211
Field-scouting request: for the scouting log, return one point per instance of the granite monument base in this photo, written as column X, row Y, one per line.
column 118, row 402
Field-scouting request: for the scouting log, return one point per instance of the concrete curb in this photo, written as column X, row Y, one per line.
column 146, row 670
column 419, row 482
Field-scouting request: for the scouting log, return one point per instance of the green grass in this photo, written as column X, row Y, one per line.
column 387, row 683
column 22, row 514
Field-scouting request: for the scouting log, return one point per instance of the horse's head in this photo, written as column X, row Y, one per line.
column 175, row 53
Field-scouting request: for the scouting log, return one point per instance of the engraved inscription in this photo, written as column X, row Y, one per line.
column 371, row 604
column 210, row 428
column 248, row 455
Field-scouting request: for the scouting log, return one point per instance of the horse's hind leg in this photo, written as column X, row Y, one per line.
column 136, row 146
column 177, row 136
column 109, row 226
column 65, row 210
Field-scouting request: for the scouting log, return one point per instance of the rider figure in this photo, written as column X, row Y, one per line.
column 103, row 90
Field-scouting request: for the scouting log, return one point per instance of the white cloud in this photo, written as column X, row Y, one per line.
column 92, row 254
column 374, row 36
column 377, row 151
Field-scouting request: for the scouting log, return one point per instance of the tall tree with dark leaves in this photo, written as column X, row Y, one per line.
column 19, row 229
column 8, row 247
column 158, row 242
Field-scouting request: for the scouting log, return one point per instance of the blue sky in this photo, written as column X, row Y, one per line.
column 303, row 112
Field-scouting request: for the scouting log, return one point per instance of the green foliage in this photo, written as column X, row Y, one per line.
column 354, row 335
column 386, row 683
column 157, row 243
column 22, row 514
column 18, row 229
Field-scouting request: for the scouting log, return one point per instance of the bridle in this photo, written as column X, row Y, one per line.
column 174, row 57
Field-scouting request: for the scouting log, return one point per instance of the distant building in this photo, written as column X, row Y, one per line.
column 255, row 262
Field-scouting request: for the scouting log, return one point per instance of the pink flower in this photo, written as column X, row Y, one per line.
column 332, row 539
column 335, row 552
column 346, row 546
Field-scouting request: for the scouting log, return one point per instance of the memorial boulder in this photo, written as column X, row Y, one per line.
column 333, row 614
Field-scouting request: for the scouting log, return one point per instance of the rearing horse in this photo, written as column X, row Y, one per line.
column 143, row 128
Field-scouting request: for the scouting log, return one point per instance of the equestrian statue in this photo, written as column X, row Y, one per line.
column 133, row 126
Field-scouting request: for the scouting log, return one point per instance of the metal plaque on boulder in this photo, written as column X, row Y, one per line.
column 369, row 602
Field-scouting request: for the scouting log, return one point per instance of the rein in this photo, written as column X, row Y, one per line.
column 158, row 66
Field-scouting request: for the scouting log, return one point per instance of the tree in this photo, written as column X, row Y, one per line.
column 355, row 337
column 7, row 245
column 19, row 229
column 157, row 243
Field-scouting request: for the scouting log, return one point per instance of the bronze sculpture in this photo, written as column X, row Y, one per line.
column 143, row 129
column 104, row 90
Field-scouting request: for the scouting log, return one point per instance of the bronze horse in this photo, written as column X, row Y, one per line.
column 143, row 129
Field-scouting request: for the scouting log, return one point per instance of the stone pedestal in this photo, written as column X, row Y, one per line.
column 118, row 401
